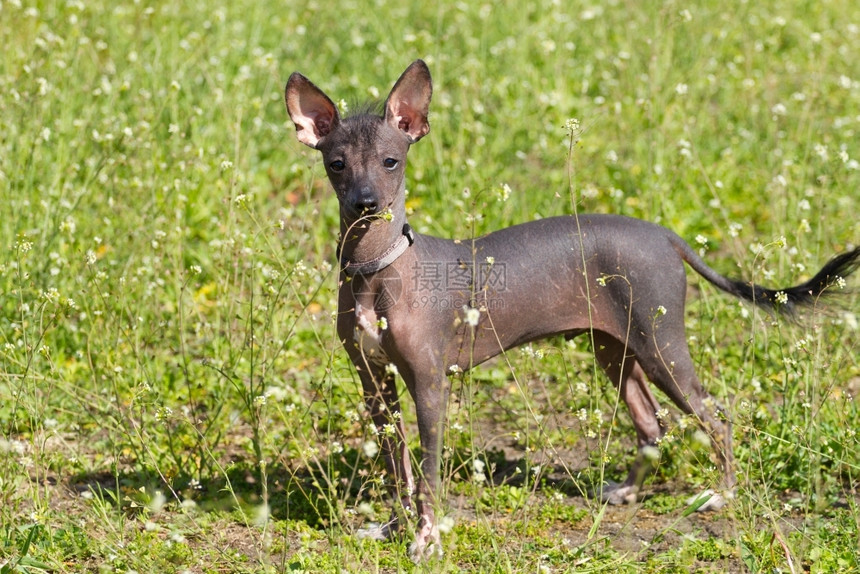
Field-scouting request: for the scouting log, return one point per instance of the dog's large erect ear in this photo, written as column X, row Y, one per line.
column 314, row 114
column 408, row 104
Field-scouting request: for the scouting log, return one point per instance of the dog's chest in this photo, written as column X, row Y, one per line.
column 368, row 332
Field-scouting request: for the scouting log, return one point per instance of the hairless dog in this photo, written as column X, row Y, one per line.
column 431, row 306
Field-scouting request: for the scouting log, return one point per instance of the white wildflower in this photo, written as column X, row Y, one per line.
column 445, row 524
column 472, row 316
column 503, row 192
column 370, row 448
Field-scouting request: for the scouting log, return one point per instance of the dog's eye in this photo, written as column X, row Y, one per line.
column 390, row 163
column 337, row 165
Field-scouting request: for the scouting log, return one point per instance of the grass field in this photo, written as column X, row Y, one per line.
column 173, row 397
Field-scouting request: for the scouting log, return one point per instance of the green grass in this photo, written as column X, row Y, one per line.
column 173, row 397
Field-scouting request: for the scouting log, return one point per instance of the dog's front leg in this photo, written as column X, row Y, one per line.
column 380, row 396
column 430, row 392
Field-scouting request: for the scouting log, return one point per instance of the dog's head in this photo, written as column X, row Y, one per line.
column 364, row 154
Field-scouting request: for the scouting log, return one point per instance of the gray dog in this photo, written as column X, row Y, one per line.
column 620, row 279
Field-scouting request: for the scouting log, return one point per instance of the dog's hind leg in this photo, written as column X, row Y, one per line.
column 670, row 367
column 627, row 375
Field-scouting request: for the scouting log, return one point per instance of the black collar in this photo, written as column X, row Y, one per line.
column 352, row 268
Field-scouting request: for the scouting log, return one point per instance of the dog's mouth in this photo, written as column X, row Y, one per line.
column 372, row 215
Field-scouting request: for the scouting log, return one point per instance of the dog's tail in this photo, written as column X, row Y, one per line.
column 827, row 282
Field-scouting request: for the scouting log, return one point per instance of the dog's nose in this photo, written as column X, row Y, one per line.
column 366, row 204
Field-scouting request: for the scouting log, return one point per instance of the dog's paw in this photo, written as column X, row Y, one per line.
column 373, row 531
column 617, row 494
column 710, row 500
column 427, row 545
